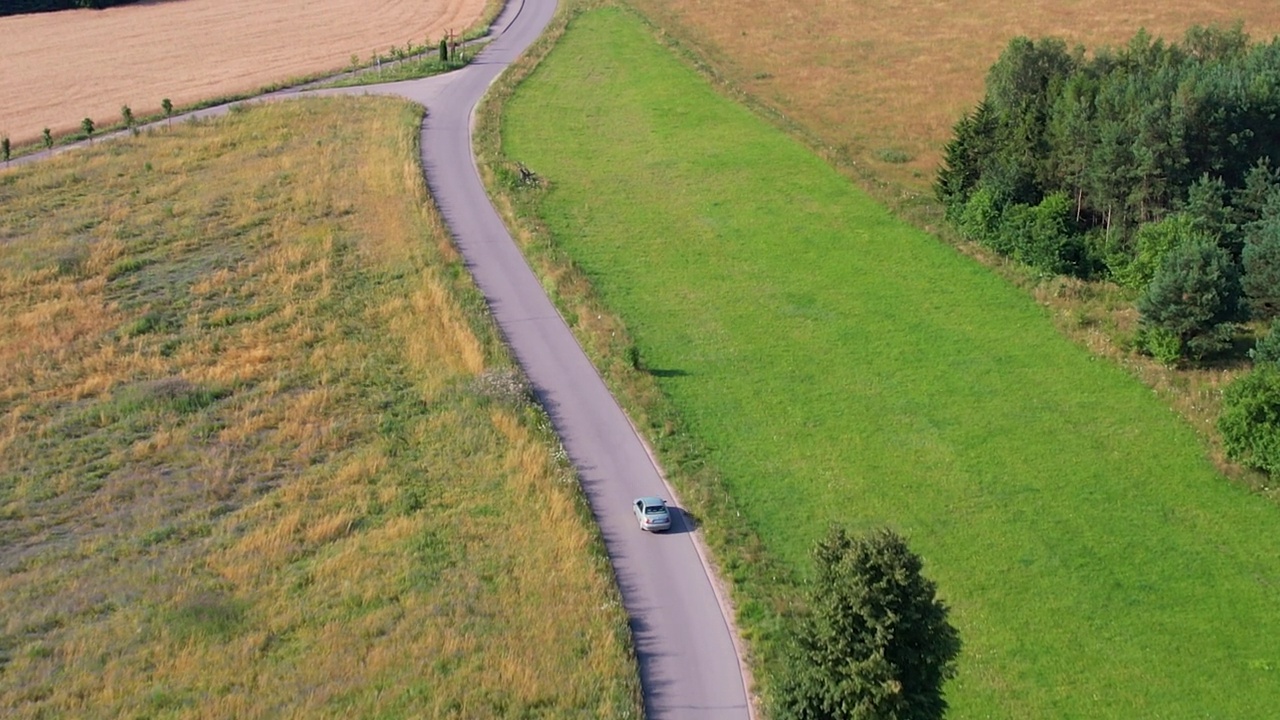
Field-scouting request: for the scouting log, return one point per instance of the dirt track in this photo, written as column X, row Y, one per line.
column 56, row 68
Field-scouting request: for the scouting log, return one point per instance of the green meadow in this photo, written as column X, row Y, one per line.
column 836, row 365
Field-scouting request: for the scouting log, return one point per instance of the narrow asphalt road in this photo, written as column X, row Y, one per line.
column 689, row 665
column 689, row 662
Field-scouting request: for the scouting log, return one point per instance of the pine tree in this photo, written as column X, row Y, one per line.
column 1261, row 261
column 1193, row 298
column 876, row 643
column 1207, row 207
column 1266, row 351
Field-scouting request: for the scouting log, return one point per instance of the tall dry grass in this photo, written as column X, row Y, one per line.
column 260, row 451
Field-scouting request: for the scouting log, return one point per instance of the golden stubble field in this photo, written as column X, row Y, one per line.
column 869, row 77
column 61, row 67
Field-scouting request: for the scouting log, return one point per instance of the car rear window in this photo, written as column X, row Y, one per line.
column 654, row 509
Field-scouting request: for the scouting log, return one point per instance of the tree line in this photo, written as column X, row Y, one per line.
column 1154, row 165
column 23, row 7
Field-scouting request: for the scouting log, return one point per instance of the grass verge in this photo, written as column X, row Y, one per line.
column 263, row 453
column 805, row 358
column 412, row 68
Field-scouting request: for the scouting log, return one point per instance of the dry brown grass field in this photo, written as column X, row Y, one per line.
column 61, row 67
column 875, row 79
column 261, row 452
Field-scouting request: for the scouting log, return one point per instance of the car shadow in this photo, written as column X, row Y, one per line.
column 681, row 521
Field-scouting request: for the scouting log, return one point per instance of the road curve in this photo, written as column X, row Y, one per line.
column 689, row 662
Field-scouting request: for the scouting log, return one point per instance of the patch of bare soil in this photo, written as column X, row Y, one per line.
column 61, row 67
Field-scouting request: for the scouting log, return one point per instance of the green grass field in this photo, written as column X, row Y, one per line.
column 262, row 454
column 838, row 365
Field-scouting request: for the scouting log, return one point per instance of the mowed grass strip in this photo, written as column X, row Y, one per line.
column 261, row 452
column 839, row 366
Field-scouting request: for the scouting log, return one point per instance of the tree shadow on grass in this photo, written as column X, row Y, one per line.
column 667, row 372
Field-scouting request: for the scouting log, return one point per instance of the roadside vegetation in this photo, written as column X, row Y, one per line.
column 408, row 63
column 800, row 356
column 261, row 451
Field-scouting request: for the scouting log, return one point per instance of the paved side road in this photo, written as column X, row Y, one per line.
column 689, row 662
column 689, row 666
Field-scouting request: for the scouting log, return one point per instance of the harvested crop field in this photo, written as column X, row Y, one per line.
column 882, row 82
column 61, row 67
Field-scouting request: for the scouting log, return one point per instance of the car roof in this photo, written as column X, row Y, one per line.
column 651, row 500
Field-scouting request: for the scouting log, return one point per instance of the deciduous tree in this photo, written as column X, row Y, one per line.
column 1250, row 420
column 1151, row 244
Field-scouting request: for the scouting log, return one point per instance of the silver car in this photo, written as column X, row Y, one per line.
column 652, row 513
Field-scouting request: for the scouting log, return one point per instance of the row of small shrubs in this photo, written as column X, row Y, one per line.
column 407, row 63
column 403, row 63
column 24, row 7
column 446, row 50
column 87, row 128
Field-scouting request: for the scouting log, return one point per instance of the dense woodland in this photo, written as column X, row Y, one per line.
column 1156, row 166
column 22, row 7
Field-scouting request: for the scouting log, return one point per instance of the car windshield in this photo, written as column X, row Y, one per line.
column 654, row 509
